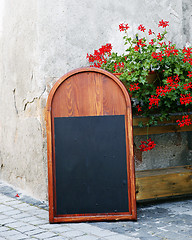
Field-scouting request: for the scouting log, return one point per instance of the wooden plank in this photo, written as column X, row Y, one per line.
column 163, row 171
column 159, row 183
column 172, row 120
column 161, row 129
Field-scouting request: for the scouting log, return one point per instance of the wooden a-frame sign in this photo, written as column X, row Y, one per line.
column 90, row 148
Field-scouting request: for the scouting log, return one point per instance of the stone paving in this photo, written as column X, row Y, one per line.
column 26, row 218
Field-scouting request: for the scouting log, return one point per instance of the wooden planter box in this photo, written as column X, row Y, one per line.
column 163, row 127
column 166, row 182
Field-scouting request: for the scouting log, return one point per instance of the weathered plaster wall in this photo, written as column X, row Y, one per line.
column 42, row 40
column 68, row 31
column 187, row 21
column 22, row 151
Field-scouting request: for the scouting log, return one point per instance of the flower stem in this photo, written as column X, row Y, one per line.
column 147, row 131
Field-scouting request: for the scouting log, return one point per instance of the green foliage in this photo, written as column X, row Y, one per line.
column 152, row 55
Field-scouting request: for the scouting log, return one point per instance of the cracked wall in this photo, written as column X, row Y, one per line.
column 22, row 127
column 42, row 40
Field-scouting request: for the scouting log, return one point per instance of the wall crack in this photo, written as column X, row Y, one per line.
column 33, row 100
column 15, row 104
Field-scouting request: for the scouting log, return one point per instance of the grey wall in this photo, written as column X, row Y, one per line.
column 172, row 149
column 42, row 40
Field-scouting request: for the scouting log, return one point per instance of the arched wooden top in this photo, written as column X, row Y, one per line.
column 88, row 70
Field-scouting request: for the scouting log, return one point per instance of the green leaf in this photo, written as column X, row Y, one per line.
column 140, row 124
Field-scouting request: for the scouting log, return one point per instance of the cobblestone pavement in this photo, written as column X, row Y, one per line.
column 26, row 218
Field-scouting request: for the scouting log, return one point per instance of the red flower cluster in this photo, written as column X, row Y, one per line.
column 147, row 145
column 136, row 48
column 141, row 28
column 161, row 43
column 161, row 91
column 100, row 55
column 186, row 99
column 141, row 42
column 153, row 100
column 120, row 65
column 158, row 56
column 173, row 83
column 152, row 42
column 159, row 36
column 163, row 23
column 187, row 56
column 123, row 27
column 150, row 32
column 187, row 51
column 185, row 121
column 187, row 86
column 169, row 50
column 134, row 87
column 190, row 74
column 139, row 108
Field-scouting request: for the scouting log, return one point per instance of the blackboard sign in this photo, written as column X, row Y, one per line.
column 90, row 161
column 90, row 149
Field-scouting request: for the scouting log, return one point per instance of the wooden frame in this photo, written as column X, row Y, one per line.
column 101, row 94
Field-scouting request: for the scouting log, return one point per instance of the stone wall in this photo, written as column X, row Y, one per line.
column 42, row 40
column 172, row 149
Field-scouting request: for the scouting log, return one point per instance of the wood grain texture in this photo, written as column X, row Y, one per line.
column 172, row 120
column 89, row 92
column 166, row 182
column 170, row 126
column 161, row 129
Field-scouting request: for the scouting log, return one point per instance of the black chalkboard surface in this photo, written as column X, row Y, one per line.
column 90, row 163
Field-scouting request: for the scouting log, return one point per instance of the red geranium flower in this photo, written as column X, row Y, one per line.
column 150, row 32
column 141, row 42
column 187, row 86
column 152, row 42
column 141, row 28
column 147, row 145
column 185, row 121
column 153, row 100
column 161, row 91
column 159, row 36
column 139, row 108
column 185, row 99
column 123, row 27
column 100, row 55
column 170, row 50
column 134, row 87
column 163, row 23
column 120, row 65
column 190, row 74
column 136, row 48
column 158, row 56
